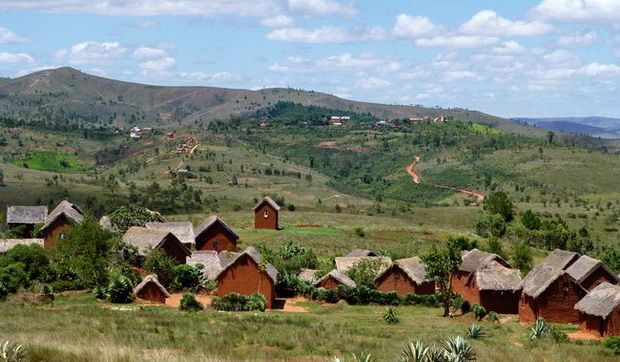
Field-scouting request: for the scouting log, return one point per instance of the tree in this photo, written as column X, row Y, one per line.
column 440, row 264
column 365, row 271
column 530, row 220
column 127, row 216
column 500, row 203
column 162, row 265
column 522, row 258
column 33, row 258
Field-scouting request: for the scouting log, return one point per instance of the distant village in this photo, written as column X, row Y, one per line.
column 565, row 287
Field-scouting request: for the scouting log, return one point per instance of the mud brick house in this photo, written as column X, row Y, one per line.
column 333, row 279
column 549, row 292
column 215, row 234
column 146, row 240
column 59, row 221
column 360, row 252
column 405, row 276
column 600, row 311
column 590, row 272
column 488, row 279
column 25, row 217
column 150, row 289
column 247, row 273
column 184, row 231
column 266, row 214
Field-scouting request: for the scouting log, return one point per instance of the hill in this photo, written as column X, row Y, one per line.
column 66, row 94
column 594, row 126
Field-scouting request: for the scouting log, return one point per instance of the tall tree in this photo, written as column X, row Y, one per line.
column 440, row 264
column 500, row 203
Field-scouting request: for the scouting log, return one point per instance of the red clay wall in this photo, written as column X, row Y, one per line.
column 612, row 323
column 151, row 292
column 395, row 280
column 424, row 288
column 262, row 222
column 591, row 324
column 557, row 303
column 61, row 225
column 500, row 302
column 599, row 276
column 174, row 250
column 527, row 309
column 468, row 291
column 218, row 236
column 244, row 277
column 328, row 283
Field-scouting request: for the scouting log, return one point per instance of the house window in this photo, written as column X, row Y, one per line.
column 61, row 236
column 265, row 214
column 216, row 245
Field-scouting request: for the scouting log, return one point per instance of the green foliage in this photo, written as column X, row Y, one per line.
column 490, row 225
column 461, row 304
column 127, row 216
column 189, row 303
column 186, row 278
column 458, row 349
column 234, row 302
column 479, row 311
column 290, row 258
column 359, row 231
column 55, row 161
column 530, row 220
column 475, row 332
column 414, row 352
column 290, row 285
column 34, row 259
column 494, row 245
column 4, row 291
column 12, row 352
column 522, row 258
column 613, row 343
column 162, row 265
column 440, row 264
column 120, row 289
column 47, row 293
column 208, row 284
column 100, row 292
column 365, row 271
column 539, row 329
column 493, row 317
column 499, row 203
column 610, row 255
column 390, row 316
column 13, row 276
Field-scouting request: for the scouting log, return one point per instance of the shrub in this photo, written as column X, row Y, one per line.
column 234, row 302
column 415, row 352
column 475, row 332
column 289, row 285
column 390, row 316
column 120, row 289
column 479, row 311
column 364, row 272
column 4, row 291
column 162, row 265
column 187, row 278
column 559, row 336
column 613, row 343
column 461, row 304
column 493, row 317
column 431, row 300
column 100, row 292
column 47, row 293
column 13, row 276
column 208, row 284
column 256, row 302
column 359, row 231
column 33, row 258
column 189, row 303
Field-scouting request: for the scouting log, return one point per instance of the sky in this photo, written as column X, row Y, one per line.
column 522, row 58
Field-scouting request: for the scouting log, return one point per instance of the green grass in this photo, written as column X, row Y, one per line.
column 56, row 161
column 77, row 328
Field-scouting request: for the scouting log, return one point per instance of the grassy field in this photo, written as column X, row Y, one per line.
column 78, row 328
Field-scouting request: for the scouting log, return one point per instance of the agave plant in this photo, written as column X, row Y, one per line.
column 457, row 349
column 414, row 352
column 539, row 329
column 475, row 332
column 435, row 354
column 390, row 316
column 362, row 357
column 12, row 352
column 120, row 289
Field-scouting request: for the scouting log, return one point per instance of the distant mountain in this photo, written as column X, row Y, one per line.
column 69, row 95
column 603, row 127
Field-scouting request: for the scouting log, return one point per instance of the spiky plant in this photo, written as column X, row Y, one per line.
column 414, row 352
column 390, row 316
column 475, row 332
column 458, row 349
column 338, row 359
column 363, row 357
column 100, row 292
column 12, row 352
column 120, row 289
column 539, row 329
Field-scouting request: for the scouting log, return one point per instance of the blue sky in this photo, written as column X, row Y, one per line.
column 537, row 58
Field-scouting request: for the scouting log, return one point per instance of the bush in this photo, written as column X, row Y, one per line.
column 479, row 311
column 364, row 272
column 4, row 291
column 120, row 289
column 613, row 343
column 189, row 303
column 187, row 278
column 359, row 231
column 100, row 292
column 33, row 258
column 430, row 300
column 234, row 302
column 493, row 317
column 162, row 265
column 47, row 293
column 13, row 276
column 256, row 302
column 461, row 304
column 289, row 285
column 208, row 284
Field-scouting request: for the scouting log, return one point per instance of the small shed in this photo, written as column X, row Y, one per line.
column 215, row 234
column 360, row 252
column 590, row 272
column 333, row 279
column 146, row 240
column 184, row 231
column 150, row 289
column 405, row 276
column 26, row 216
column 247, row 273
column 266, row 214
column 59, row 221
column 600, row 311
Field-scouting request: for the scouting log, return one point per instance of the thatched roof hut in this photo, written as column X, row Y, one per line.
column 591, row 272
column 184, row 231
column 413, row 267
column 361, row 252
column 150, row 289
column 334, row 278
column 405, row 276
column 474, row 259
column 495, row 276
column 560, row 259
column 215, row 234
column 274, row 205
column 229, row 259
column 25, row 215
column 146, row 240
column 210, row 261
column 600, row 310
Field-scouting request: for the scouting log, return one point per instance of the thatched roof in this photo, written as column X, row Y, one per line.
column 251, row 252
column 361, row 252
column 150, row 279
column 413, row 267
column 184, row 231
column 585, row 266
column 26, row 214
column 70, row 211
column 209, row 259
column 495, row 276
column 474, row 259
column 345, row 263
column 308, row 275
column 210, row 222
column 341, row 277
column 601, row 301
column 560, row 259
column 226, row 257
column 8, row 244
column 146, row 240
column 106, row 223
column 274, row 205
column 540, row 278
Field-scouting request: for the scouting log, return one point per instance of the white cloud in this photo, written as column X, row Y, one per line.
column 596, row 70
column 280, row 21
column 362, row 63
column 90, row 52
column 219, row 77
column 243, row 8
column 148, row 52
column 580, row 40
column 617, row 53
column 488, row 23
column 145, row 23
column 328, row 35
column 508, row 48
column 15, row 58
column 321, row 8
column 408, row 26
column 561, row 59
column 161, row 66
column 457, row 42
column 459, row 75
column 589, row 11
column 372, row 83
column 7, row 36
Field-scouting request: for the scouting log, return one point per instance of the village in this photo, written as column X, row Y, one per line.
column 565, row 288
